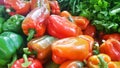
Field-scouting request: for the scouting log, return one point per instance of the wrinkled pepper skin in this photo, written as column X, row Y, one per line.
column 13, row 24
column 34, row 24
column 72, row 48
column 21, row 7
column 27, row 62
column 72, row 64
column 100, row 61
column 111, row 47
column 60, row 27
column 9, row 43
column 42, row 46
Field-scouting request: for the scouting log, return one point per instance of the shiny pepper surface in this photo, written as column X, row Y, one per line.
column 111, row 47
column 61, row 27
column 9, row 44
column 72, row 48
column 100, row 61
column 34, row 24
column 42, row 46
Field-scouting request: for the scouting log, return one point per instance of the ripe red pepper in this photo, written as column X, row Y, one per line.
column 61, row 27
column 90, row 30
column 111, row 47
column 55, row 9
column 27, row 63
column 34, row 24
column 19, row 6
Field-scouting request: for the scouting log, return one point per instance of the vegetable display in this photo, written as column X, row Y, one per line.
column 59, row 34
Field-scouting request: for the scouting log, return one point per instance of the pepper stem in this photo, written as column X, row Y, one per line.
column 26, row 62
column 30, row 34
column 26, row 51
column 13, row 60
column 103, row 64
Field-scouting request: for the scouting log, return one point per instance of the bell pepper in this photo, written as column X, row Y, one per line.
column 54, row 6
column 109, row 36
column 42, row 46
column 67, row 15
column 27, row 63
column 17, row 6
column 72, row 48
column 90, row 30
column 9, row 44
column 1, row 24
column 34, row 24
column 100, row 61
column 111, row 47
column 60, row 27
column 80, row 21
column 13, row 24
column 72, row 64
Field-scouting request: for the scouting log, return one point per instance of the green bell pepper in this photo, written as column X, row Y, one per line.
column 1, row 23
column 9, row 44
column 13, row 24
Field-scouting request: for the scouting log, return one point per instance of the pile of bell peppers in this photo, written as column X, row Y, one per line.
column 37, row 34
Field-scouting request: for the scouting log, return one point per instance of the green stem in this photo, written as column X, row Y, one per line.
column 13, row 60
column 30, row 34
column 103, row 64
column 26, row 63
column 26, row 51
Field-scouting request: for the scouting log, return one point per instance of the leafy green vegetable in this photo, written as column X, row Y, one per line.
column 103, row 14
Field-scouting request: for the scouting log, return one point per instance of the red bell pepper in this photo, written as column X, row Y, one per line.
column 90, row 30
column 114, row 35
column 60, row 27
column 19, row 6
column 55, row 9
column 34, row 24
column 72, row 48
column 111, row 47
column 27, row 63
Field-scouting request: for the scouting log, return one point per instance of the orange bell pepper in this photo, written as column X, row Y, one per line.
column 72, row 48
column 100, row 61
column 80, row 21
column 111, row 47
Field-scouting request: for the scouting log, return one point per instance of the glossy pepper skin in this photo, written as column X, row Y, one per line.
column 13, row 24
column 60, row 27
column 42, row 46
column 9, row 43
column 72, row 48
column 100, row 61
column 34, row 24
column 21, row 7
column 111, row 47
column 27, row 63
